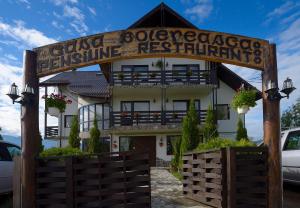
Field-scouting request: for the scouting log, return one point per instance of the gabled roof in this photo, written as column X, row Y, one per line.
column 233, row 80
column 162, row 16
column 84, row 83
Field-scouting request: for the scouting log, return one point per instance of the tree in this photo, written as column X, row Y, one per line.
column 241, row 131
column 94, row 144
column 74, row 140
column 1, row 137
column 210, row 127
column 177, row 150
column 291, row 117
column 190, row 130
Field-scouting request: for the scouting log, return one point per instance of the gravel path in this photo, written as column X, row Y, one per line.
column 166, row 191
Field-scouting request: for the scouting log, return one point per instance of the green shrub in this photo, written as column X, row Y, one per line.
column 241, row 131
column 217, row 143
column 190, row 130
column 56, row 151
column 94, row 144
column 176, row 162
column 244, row 97
column 210, row 127
column 73, row 139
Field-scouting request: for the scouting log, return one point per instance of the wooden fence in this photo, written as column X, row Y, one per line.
column 232, row 177
column 106, row 180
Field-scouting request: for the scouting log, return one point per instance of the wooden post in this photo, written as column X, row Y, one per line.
column 271, row 119
column 29, row 130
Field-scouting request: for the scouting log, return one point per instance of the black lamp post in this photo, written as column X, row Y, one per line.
column 273, row 91
column 27, row 93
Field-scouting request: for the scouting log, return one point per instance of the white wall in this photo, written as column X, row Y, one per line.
column 227, row 128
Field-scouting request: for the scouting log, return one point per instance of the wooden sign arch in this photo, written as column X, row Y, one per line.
column 149, row 42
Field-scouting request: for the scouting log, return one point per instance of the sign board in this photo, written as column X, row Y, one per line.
column 150, row 42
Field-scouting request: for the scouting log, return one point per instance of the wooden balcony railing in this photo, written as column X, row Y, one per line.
column 168, row 77
column 51, row 131
column 119, row 118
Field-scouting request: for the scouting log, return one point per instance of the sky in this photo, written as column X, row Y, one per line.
column 25, row 24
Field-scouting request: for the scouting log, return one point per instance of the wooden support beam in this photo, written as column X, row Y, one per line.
column 271, row 120
column 29, row 130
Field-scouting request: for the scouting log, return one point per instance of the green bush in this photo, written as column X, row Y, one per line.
column 217, row 143
column 73, row 139
column 190, row 131
column 56, row 151
column 94, row 144
column 241, row 131
column 176, row 161
column 210, row 129
column 244, row 97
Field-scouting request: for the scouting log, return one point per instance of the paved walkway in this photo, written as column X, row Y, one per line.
column 167, row 191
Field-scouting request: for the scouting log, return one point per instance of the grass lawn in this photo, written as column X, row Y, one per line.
column 6, row 201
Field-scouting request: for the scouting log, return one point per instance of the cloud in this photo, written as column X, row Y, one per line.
column 92, row 10
column 27, row 37
column 63, row 2
column 78, row 19
column 57, row 25
column 200, row 9
column 285, row 8
column 11, row 57
column 26, row 2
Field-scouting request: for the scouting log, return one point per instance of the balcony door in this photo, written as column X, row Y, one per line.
column 181, row 107
column 135, row 112
column 135, row 73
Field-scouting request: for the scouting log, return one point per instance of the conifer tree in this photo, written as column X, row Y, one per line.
column 190, row 130
column 94, row 145
column 241, row 131
column 1, row 138
column 210, row 127
column 74, row 140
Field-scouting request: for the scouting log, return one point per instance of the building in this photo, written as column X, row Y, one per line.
column 139, row 103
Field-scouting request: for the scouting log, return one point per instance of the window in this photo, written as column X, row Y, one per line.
column 87, row 116
column 132, row 106
column 68, row 121
column 223, row 111
column 186, row 72
column 293, row 141
column 170, row 143
column 126, row 144
column 183, row 105
column 136, row 72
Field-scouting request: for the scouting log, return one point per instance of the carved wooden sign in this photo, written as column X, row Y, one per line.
column 150, row 42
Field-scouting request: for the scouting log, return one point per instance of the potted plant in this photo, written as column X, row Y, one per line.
column 155, row 115
column 243, row 100
column 136, row 115
column 56, row 104
column 121, row 76
column 152, row 75
column 136, row 75
column 159, row 64
column 189, row 73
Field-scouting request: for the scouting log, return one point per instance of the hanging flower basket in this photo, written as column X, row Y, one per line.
column 52, row 111
column 243, row 100
column 243, row 109
column 56, row 104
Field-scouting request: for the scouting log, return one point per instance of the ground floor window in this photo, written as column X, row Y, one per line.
column 223, row 112
column 105, row 144
column 170, row 141
column 126, row 144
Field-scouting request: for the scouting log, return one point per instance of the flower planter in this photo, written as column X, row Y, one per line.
column 243, row 109
column 52, row 111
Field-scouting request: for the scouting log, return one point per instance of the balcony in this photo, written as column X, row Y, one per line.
column 51, row 131
column 136, row 118
column 168, row 77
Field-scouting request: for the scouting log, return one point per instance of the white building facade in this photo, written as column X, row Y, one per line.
column 139, row 104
